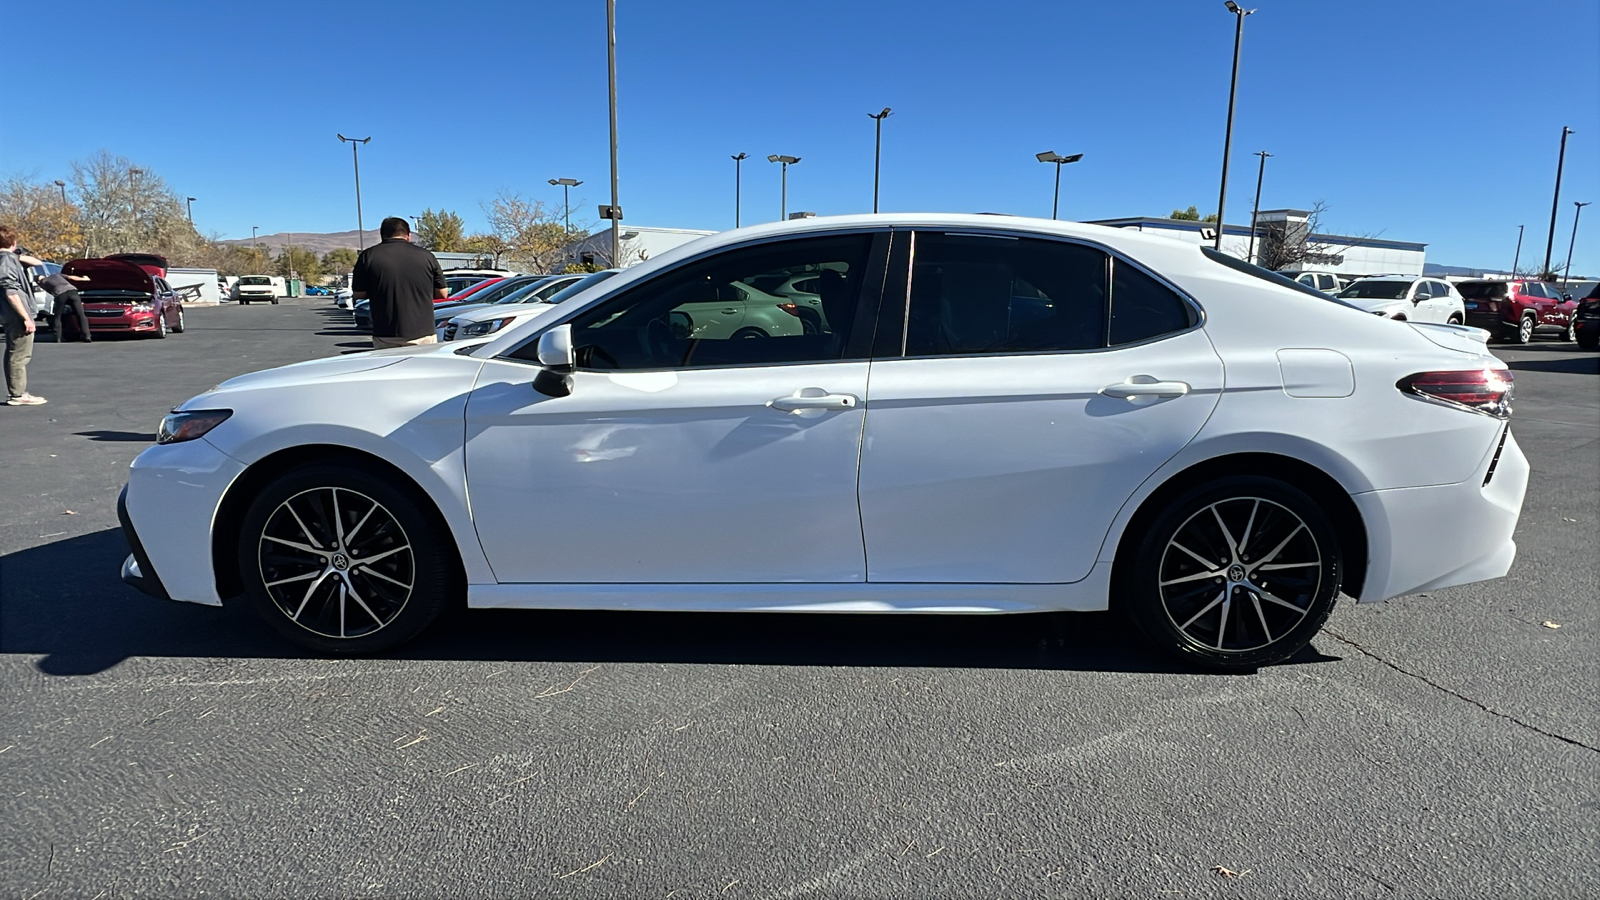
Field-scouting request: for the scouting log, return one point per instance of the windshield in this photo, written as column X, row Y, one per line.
column 1267, row 275
column 255, row 279
column 524, row 292
column 494, row 292
column 580, row 286
column 1482, row 290
column 1376, row 290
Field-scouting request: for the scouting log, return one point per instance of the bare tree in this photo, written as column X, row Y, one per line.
column 45, row 222
column 1290, row 244
column 529, row 232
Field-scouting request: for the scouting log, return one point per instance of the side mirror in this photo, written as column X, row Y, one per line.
column 556, row 360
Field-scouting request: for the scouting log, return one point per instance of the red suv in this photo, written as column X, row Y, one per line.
column 1516, row 310
column 119, row 296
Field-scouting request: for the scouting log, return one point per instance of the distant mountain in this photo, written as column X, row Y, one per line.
column 319, row 243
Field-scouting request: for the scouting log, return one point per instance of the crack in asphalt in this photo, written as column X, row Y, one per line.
column 1457, row 694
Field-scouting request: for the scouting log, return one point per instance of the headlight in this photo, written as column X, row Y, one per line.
column 479, row 329
column 142, row 307
column 177, row 427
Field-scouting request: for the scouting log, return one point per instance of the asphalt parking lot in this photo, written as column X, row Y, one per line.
column 1439, row 745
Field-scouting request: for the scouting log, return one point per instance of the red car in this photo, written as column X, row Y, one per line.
column 462, row 295
column 1516, row 310
column 121, row 297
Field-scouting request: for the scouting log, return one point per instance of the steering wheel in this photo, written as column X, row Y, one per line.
column 594, row 353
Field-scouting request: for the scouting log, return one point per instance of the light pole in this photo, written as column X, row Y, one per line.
column 1255, row 210
column 738, row 164
column 355, row 156
column 1566, row 270
column 567, row 184
column 1050, row 156
column 63, row 185
column 786, row 160
column 1239, row 13
column 254, row 244
column 1518, row 258
column 877, row 153
column 1556, row 203
column 611, row 66
column 190, row 202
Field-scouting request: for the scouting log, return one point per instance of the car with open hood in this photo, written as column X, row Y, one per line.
column 122, row 297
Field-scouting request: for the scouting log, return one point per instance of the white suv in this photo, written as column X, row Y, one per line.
column 1406, row 297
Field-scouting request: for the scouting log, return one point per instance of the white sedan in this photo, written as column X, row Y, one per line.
column 998, row 415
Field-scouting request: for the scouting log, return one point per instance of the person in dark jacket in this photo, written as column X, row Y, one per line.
column 66, row 300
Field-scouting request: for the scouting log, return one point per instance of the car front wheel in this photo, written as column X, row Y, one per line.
column 1525, row 329
column 1235, row 574
column 339, row 561
column 179, row 328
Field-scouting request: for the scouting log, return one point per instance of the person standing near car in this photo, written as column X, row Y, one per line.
column 66, row 299
column 400, row 281
column 16, row 315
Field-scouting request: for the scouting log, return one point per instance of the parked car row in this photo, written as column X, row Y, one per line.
column 1510, row 310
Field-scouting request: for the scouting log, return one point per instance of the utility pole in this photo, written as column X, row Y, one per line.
column 133, row 199
column 1566, row 270
column 1250, row 255
column 63, row 185
column 877, row 153
column 189, row 200
column 355, row 156
column 738, row 163
column 1555, row 204
column 567, row 184
column 1227, row 141
column 1518, row 258
column 611, row 61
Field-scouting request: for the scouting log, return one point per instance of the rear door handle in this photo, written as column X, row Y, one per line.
column 1145, row 386
column 797, row 402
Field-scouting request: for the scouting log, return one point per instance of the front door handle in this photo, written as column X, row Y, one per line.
column 800, row 401
column 1145, row 386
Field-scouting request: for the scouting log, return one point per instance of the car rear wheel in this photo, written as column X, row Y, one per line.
column 1571, row 334
column 1234, row 574
column 1453, row 320
column 1525, row 329
column 338, row 560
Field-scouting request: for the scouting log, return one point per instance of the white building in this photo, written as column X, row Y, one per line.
column 637, row 244
column 1340, row 254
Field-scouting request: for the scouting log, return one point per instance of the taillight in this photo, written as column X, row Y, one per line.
column 1486, row 391
column 792, row 309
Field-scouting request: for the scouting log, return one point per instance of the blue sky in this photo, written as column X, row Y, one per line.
column 1426, row 121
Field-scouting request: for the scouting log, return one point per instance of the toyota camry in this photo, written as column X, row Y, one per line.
column 983, row 414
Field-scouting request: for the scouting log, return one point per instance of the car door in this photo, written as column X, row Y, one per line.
column 678, row 457
column 1035, row 385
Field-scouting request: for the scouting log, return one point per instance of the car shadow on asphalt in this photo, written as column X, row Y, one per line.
column 1564, row 365
column 132, row 437
column 65, row 603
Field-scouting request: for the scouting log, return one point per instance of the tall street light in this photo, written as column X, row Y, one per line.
column 1250, row 255
column 190, row 201
column 738, row 164
column 1050, row 156
column 1566, row 271
column 877, row 153
column 355, row 156
column 1518, row 258
column 1239, row 13
column 786, row 160
column 63, row 185
column 567, row 184
column 611, row 66
column 1556, row 203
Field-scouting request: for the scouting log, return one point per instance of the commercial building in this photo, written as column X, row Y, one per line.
column 1284, row 241
column 637, row 243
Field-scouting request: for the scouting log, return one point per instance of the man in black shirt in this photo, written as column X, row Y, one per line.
column 400, row 281
column 67, row 302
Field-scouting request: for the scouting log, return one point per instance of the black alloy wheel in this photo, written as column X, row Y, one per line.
column 341, row 562
column 1235, row 574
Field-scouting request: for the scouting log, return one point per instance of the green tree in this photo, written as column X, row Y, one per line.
column 441, row 231
column 1191, row 215
column 339, row 261
column 300, row 263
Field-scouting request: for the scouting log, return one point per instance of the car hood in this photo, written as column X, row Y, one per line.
column 441, row 316
column 109, row 275
column 518, row 311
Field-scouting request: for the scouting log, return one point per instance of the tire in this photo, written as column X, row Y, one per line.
column 749, row 333
column 1196, row 598
column 274, row 301
column 1524, row 332
column 1589, row 340
column 309, row 584
column 1571, row 333
column 244, row 302
column 161, row 326
column 181, row 326
column 1453, row 320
